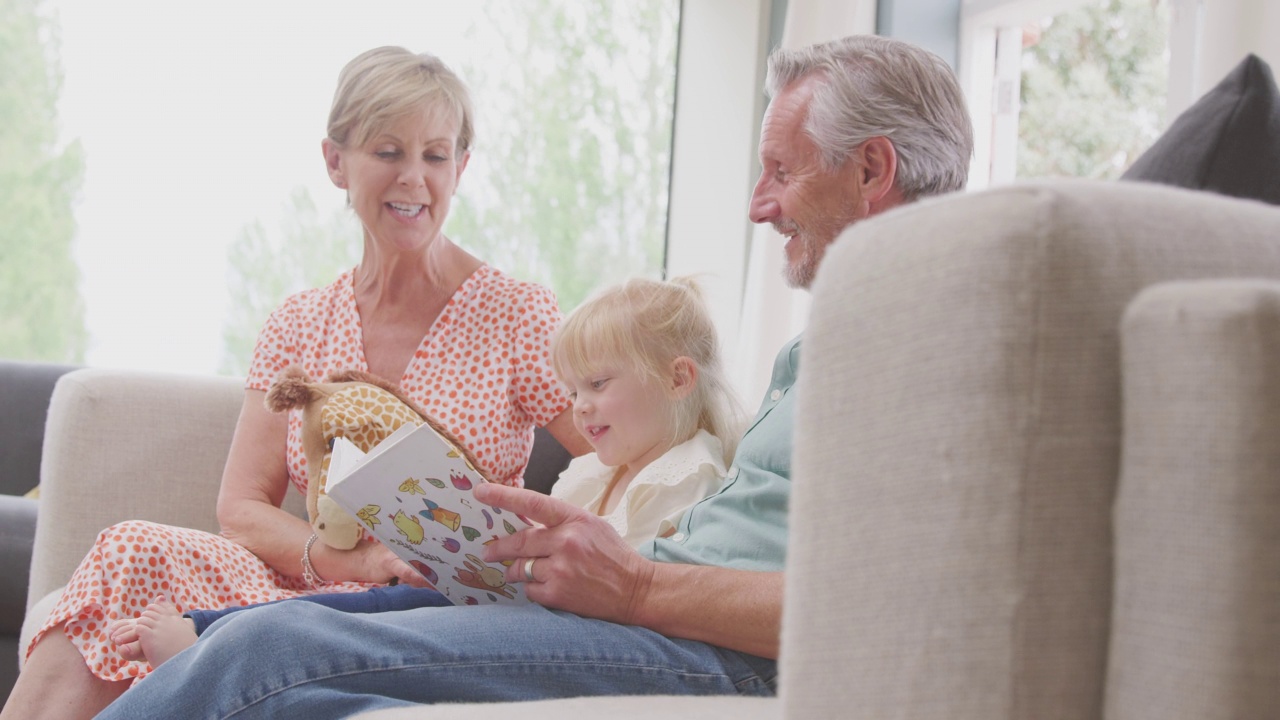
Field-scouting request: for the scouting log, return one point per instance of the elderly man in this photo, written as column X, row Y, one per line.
column 855, row 127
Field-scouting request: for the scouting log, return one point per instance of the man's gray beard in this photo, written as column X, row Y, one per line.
column 799, row 274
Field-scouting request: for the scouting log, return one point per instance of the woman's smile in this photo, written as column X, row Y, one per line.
column 406, row 210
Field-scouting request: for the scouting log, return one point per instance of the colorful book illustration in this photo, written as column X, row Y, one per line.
column 413, row 492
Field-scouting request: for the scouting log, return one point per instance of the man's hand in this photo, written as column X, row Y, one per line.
column 583, row 566
column 580, row 563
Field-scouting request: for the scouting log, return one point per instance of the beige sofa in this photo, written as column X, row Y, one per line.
column 1037, row 467
column 25, row 388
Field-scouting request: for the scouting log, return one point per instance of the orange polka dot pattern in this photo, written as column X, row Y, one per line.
column 134, row 561
column 483, row 370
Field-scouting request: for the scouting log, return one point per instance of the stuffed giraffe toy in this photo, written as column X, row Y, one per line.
column 358, row 406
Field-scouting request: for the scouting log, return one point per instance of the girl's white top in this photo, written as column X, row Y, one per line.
column 657, row 497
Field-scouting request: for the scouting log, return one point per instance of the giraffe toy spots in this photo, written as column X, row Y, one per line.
column 351, row 404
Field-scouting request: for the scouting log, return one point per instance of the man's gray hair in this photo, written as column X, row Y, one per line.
column 876, row 86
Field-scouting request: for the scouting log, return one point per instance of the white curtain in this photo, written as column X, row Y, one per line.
column 772, row 313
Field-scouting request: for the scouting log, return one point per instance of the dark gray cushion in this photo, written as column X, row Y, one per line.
column 546, row 462
column 25, row 388
column 17, row 533
column 1228, row 142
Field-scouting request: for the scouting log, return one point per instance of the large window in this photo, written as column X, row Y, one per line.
column 175, row 192
column 1094, row 87
column 1074, row 88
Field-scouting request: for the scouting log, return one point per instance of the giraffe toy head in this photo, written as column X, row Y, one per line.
column 351, row 404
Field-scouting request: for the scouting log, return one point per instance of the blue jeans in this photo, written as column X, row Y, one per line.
column 303, row 660
column 379, row 599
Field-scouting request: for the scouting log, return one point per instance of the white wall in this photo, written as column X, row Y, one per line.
column 1210, row 37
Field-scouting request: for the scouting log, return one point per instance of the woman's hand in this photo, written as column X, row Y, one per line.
column 581, row 564
column 368, row 561
column 254, row 484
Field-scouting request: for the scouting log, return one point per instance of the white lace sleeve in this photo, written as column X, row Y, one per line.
column 583, row 482
column 667, row 487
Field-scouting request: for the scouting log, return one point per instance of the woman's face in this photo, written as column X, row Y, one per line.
column 401, row 182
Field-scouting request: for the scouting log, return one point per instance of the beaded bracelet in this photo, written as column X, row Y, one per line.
column 309, row 574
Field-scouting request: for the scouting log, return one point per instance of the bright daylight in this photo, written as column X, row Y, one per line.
column 194, row 194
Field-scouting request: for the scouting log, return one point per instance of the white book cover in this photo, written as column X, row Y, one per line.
column 413, row 492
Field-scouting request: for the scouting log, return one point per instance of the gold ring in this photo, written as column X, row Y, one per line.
column 528, row 570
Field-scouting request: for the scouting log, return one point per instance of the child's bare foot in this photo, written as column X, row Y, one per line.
column 124, row 633
column 163, row 632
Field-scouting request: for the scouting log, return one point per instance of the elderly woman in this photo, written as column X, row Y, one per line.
column 466, row 342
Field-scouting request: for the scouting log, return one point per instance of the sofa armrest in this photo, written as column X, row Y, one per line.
column 125, row 445
column 1195, row 630
column 958, row 444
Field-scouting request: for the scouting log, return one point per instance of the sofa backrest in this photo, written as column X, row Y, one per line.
column 958, row 444
column 115, row 439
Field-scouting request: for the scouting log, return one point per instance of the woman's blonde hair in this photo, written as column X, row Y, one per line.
column 382, row 85
column 645, row 325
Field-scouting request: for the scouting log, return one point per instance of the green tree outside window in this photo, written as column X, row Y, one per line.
column 1093, row 89
column 41, row 308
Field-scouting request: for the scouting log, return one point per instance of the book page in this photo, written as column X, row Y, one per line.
column 344, row 458
column 415, row 496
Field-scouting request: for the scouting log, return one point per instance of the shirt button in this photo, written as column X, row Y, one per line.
column 775, row 395
column 678, row 537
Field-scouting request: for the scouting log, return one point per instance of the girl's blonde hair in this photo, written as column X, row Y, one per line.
column 645, row 325
column 382, row 85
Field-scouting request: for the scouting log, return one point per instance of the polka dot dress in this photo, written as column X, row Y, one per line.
column 483, row 369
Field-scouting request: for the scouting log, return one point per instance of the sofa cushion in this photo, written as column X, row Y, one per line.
column 546, row 462
column 17, row 534
column 1228, row 142
column 25, row 388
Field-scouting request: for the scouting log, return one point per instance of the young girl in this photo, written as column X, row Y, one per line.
column 641, row 362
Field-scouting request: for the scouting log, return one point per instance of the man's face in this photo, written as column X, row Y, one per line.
column 804, row 202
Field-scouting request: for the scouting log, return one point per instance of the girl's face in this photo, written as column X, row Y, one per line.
column 625, row 417
column 401, row 183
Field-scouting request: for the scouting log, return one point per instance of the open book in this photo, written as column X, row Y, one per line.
column 413, row 492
